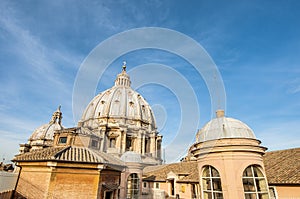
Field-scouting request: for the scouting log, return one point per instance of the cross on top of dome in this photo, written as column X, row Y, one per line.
column 124, row 66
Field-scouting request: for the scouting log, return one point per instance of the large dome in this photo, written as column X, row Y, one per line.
column 123, row 121
column 224, row 127
column 120, row 102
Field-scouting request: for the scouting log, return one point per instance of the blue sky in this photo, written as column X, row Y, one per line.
column 255, row 45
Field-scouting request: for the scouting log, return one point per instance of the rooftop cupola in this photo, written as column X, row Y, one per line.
column 123, row 78
column 46, row 131
column 224, row 127
column 56, row 117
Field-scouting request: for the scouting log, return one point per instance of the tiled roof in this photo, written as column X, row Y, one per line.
column 283, row 167
column 78, row 154
column 69, row 154
column 42, row 154
column 188, row 170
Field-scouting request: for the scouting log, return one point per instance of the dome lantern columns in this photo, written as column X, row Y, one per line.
column 123, row 78
column 56, row 116
column 122, row 111
column 152, row 145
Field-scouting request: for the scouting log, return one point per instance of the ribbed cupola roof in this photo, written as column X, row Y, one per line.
column 123, row 78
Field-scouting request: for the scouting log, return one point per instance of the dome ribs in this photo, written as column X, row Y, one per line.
column 121, row 104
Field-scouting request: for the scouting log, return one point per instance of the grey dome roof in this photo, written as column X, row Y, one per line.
column 224, row 127
column 45, row 132
column 120, row 102
column 131, row 156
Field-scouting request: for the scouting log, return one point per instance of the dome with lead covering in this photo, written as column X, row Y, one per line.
column 121, row 103
column 224, row 127
column 131, row 156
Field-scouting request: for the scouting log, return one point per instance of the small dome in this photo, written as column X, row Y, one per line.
column 46, row 131
column 224, row 127
column 131, row 156
column 119, row 102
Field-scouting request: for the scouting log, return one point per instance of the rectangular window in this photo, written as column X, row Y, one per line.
column 145, row 184
column 95, row 143
column 157, row 185
column 172, row 187
column 128, row 144
column 62, row 140
column 112, row 142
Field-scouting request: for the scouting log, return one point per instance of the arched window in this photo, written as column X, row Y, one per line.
column 255, row 185
column 211, row 183
column 133, row 183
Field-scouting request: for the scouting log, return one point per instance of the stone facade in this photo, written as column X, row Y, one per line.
column 66, row 180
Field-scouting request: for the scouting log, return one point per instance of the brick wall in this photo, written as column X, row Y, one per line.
column 38, row 181
column 34, row 182
column 74, row 183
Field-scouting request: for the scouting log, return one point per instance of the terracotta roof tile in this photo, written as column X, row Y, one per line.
column 283, row 167
column 189, row 170
column 41, row 154
column 78, row 154
column 68, row 153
